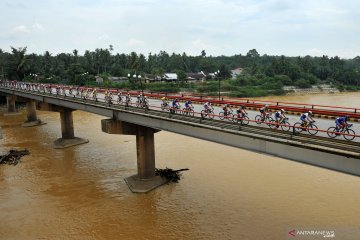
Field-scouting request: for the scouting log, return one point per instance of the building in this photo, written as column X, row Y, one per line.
column 235, row 72
column 170, row 77
column 192, row 77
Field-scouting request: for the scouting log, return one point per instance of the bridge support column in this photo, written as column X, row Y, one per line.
column 11, row 108
column 68, row 138
column 32, row 119
column 145, row 180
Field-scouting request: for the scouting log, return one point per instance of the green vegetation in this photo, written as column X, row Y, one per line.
column 261, row 75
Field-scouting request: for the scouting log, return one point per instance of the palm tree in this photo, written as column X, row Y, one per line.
column 20, row 61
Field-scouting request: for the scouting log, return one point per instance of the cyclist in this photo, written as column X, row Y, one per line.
column 264, row 111
column 94, row 94
column 306, row 118
column 227, row 109
column 139, row 99
column 176, row 104
column 128, row 98
column 188, row 105
column 341, row 123
column 164, row 103
column 279, row 116
column 108, row 96
column 145, row 102
column 207, row 107
column 241, row 112
column 119, row 96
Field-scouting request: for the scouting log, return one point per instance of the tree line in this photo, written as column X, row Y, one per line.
column 259, row 71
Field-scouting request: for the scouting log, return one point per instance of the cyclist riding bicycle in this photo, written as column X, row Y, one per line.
column 188, row 105
column 128, row 98
column 176, row 104
column 341, row 123
column 264, row 111
column 139, row 98
column 207, row 107
column 306, row 118
column 280, row 115
column 241, row 112
column 227, row 109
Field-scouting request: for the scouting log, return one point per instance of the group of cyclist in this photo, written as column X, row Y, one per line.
column 306, row 118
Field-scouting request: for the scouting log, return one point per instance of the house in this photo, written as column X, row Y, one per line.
column 200, row 76
column 235, row 72
column 99, row 79
column 170, row 77
column 149, row 78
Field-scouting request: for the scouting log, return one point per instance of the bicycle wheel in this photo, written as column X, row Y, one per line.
column 351, row 136
column 270, row 120
column 258, row 119
column 221, row 115
column 211, row 114
column 191, row 112
column 203, row 114
column 245, row 120
column 312, row 129
column 185, row 112
column 298, row 127
column 230, row 117
column 331, row 132
column 272, row 124
column 285, row 126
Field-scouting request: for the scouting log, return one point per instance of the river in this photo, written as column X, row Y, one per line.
column 228, row 193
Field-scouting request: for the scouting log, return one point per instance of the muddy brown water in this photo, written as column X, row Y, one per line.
column 229, row 193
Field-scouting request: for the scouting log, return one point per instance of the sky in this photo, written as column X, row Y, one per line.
column 220, row 27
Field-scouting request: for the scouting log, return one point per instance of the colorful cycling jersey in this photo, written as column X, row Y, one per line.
column 340, row 120
column 187, row 104
column 263, row 109
column 278, row 115
column 304, row 116
column 175, row 103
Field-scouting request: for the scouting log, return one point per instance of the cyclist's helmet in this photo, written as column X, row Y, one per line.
column 226, row 105
column 163, row 98
column 267, row 105
column 282, row 110
column 310, row 112
column 346, row 117
column 189, row 101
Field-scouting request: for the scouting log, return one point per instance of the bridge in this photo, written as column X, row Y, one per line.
column 144, row 122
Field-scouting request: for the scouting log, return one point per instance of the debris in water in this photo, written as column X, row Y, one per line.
column 169, row 174
column 13, row 157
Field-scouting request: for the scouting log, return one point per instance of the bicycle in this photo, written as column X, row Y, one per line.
column 267, row 119
column 284, row 124
column 229, row 116
column 311, row 128
column 165, row 106
column 207, row 113
column 243, row 119
column 188, row 111
column 176, row 109
column 332, row 132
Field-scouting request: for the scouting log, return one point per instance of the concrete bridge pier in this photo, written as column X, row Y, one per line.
column 11, row 108
column 68, row 138
column 32, row 119
column 145, row 180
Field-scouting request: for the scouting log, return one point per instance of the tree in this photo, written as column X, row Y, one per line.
column 203, row 53
column 253, row 53
column 19, row 62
